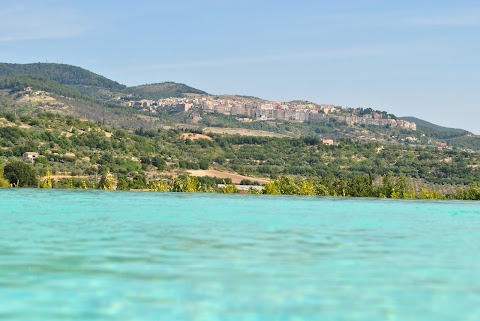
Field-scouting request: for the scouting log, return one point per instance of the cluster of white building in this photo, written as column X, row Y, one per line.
column 269, row 110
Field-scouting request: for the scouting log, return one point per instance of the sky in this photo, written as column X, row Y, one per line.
column 411, row 58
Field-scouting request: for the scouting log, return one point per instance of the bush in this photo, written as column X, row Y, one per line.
column 3, row 182
column 20, row 174
column 203, row 164
column 11, row 117
column 471, row 193
column 41, row 160
column 159, row 163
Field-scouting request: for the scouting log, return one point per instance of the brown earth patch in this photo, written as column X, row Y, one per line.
column 195, row 136
column 242, row 132
column 60, row 176
column 236, row 178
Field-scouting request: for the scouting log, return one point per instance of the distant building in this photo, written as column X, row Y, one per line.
column 184, row 107
column 30, row 156
column 327, row 141
column 327, row 109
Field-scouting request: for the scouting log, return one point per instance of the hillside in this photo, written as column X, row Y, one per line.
column 427, row 125
column 61, row 73
column 163, row 90
column 71, row 90
column 79, row 78
column 455, row 137
column 82, row 148
column 19, row 83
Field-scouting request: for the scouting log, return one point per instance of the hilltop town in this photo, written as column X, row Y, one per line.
column 73, row 91
column 251, row 108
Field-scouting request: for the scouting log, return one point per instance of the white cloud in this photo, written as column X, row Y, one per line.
column 37, row 21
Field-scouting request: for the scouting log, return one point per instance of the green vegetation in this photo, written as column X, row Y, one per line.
column 60, row 73
column 163, row 90
column 471, row 193
column 47, row 180
column 18, row 83
column 3, row 181
column 123, row 148
column 93, row 155
column 65, row 100
column 425, row 125
column 359, row 186
column 20, row 174
column 452, row 136
column 107, row 182
column 81, row 93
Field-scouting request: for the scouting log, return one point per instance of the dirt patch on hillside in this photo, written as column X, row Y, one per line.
column 236, row 178
column 60, row 176
column 6, row 123
column 242, row 132
column 195, row 136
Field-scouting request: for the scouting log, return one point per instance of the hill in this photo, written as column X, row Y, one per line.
column 19, row 83
column 81, row 148
column 80, row 78
column 430, row 126
column 454, row 137
column 61, row 73
column 71, row 90
column 163, row 90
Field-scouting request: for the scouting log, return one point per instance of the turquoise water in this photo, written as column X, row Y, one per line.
column 93, row 255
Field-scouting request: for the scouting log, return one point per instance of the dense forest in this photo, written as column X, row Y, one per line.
column 61, row 73
column 88, row 82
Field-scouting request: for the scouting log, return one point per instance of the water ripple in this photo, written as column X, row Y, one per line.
column 153, row 256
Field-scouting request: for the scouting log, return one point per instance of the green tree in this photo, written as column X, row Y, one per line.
column 361, row 186
column 139, row 181
column 159, row 163
column 20, row 174
column 3, row 181
column 471, row 193
column 107, row 182
column 47, row 181
column 123, row 183
column 204, row 164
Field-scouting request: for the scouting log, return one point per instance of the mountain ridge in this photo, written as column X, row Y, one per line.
column 164, row 89
column 61, row 73
column 88, row 82
column 427, row 124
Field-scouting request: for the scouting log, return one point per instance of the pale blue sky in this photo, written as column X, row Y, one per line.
column 418, row 58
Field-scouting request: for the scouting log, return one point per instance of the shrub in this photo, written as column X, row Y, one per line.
column 20, row 174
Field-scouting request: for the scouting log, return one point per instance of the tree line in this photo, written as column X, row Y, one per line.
column 20, row 174
column 83, row 148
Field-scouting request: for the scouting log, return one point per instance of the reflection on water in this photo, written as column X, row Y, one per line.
column 152, row 256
